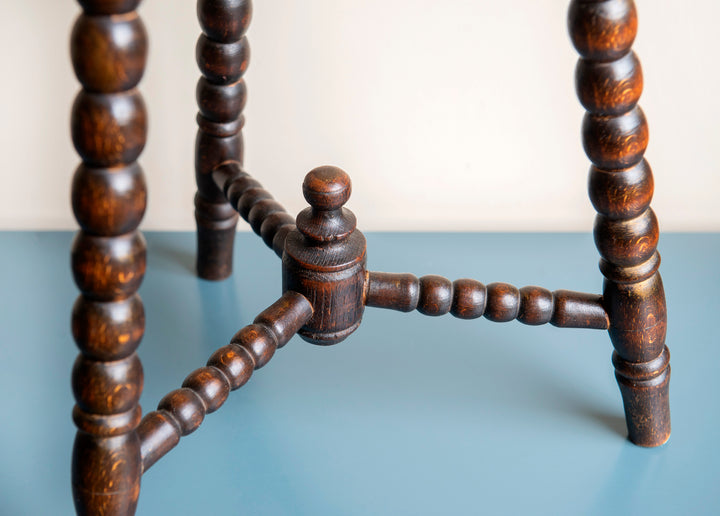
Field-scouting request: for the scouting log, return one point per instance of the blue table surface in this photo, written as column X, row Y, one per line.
column 410, row 415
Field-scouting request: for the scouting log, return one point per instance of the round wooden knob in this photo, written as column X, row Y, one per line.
column 327, row 188
column 324, row 258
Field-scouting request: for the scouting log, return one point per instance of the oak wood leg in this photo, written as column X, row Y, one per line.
column 222, row 55
column 609, row 83
column 108, row 50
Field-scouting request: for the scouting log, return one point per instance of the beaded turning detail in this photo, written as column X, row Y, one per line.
column 609, row 83
column 222, row 54
column 109, row 124
column 326, row 283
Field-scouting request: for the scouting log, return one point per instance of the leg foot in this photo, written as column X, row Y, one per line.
column 215, row 238
column 106, row 474
column 644, row 387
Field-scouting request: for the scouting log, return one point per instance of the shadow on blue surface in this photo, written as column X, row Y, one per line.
column 410, row 415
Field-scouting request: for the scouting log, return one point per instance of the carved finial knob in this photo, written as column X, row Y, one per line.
column 324, row 259
column 327, row 189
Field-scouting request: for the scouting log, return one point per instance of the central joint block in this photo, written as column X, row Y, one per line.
column 324, row 258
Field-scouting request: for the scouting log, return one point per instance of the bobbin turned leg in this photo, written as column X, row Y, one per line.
column 109, row 48
column 222, row 54
column 615, row 135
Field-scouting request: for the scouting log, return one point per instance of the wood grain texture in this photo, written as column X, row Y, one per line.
column 108, row 49
column 498, row 302
column 109, row 53
column 204, row 390
column 266, row 216
column 222, row 54
column 325, row 282
column 615, row 135
column 325, row 258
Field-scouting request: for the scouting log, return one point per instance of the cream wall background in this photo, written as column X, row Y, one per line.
column 456, row 115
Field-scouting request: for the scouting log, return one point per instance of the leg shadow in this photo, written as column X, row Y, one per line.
column 172, row 254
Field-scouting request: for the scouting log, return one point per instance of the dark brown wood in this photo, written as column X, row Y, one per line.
column 222, row 54
column 95, row 37
column 435, row 296
column 615, row 135
column 205, row 390
column 503, row 302
column 108, row 268
column 235, row 362
column 325, row 282
column 109, row 125
column 266, row 216
column 109, row 6
column 499, row 302
column 109, row 129
column 109, row 201
column 211, row 385
column 469, row 299
column 158, row 434
column 325, row 258
column 538, row 306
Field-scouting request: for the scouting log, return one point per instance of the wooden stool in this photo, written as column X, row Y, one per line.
column 325, row 281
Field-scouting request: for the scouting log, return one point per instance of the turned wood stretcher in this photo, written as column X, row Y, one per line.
column 326, row 283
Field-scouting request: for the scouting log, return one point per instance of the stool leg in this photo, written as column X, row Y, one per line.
column 615, row 135
column 222, row 55
column 108, row 123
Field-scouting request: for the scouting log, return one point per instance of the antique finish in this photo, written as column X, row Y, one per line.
column 108, row 48
column 325, row 258
column 326, row 284
column 498, row 302
column 609, row 82
column 222, row 54
column 205, row 390
column 266, row 216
